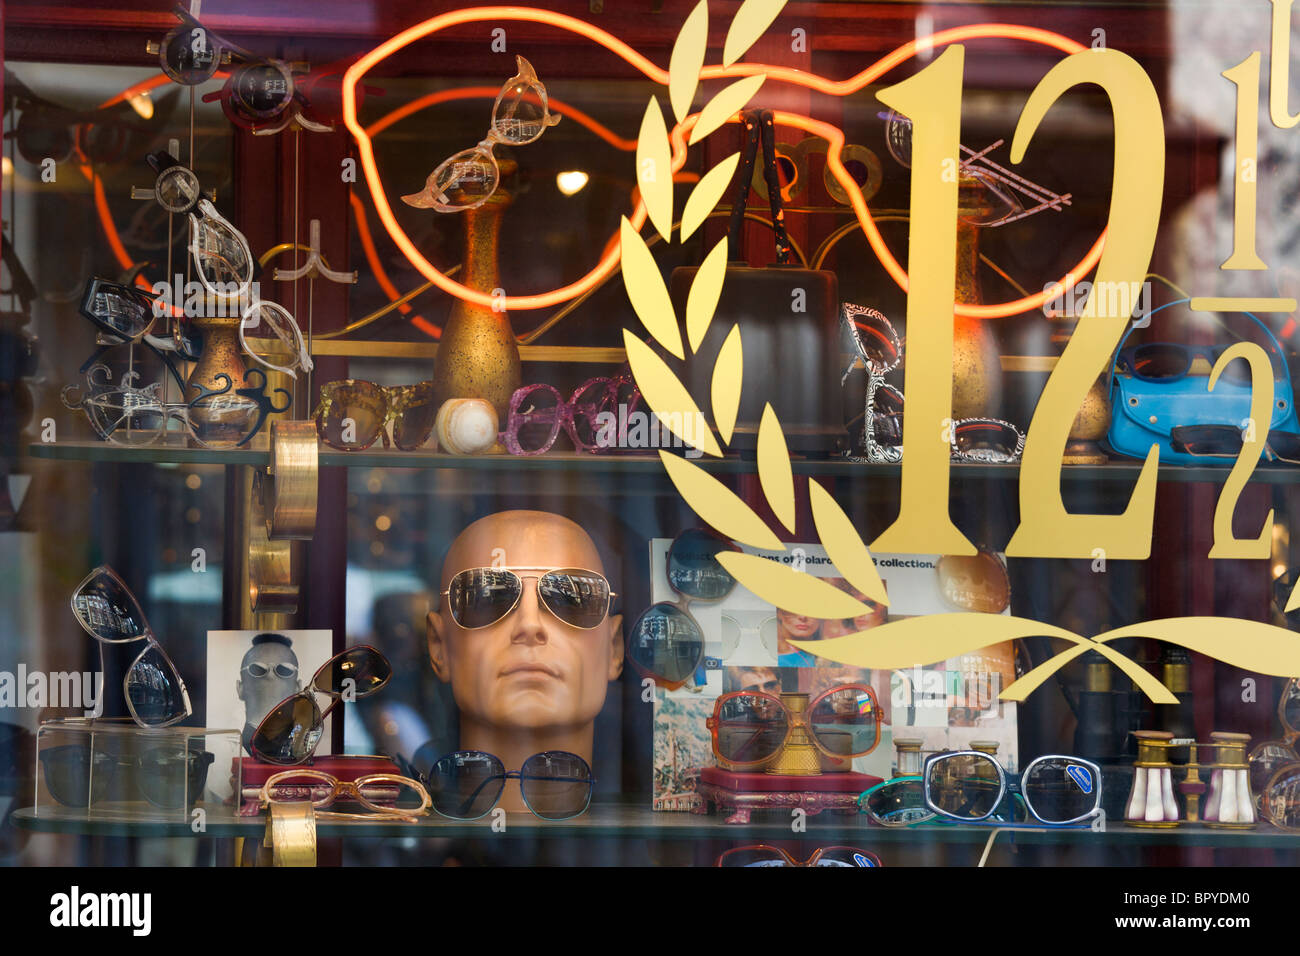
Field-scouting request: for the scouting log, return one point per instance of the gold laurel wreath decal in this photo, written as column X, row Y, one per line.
column 646, row 290
column 687, row 60
column 728, row 377
column 654, row 169
column 725, row 105
column 750, row 22
column 706, row 195
column 1250, row 645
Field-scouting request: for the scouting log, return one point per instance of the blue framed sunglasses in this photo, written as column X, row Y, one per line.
column 969, row 786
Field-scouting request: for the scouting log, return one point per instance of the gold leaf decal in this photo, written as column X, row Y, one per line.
column 751, row 20
column 1250, row 645
column 792, row 590
column 702, row 301
column 728, row 374
column 914, row 641
column 706, row 194
column 721, row 507
column 646, row 290
column 844, row 546
column 654, row 170
column 774, row 468
column 668, row 398
column 687, row 59
column 1142, row 679
column 726, row 104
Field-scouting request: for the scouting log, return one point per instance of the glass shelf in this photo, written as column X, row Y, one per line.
column 627, row 822
column 1122, row 472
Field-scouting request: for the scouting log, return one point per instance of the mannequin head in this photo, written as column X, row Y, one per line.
column 529, row 682
column 267, row 675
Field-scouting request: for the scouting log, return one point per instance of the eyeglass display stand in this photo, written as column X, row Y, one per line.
column 794, row 778
column 114, row 769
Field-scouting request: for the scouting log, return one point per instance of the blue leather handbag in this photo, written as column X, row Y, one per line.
column 1151, row 393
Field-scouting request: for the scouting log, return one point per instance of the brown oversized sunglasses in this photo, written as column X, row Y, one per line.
column 353, row 413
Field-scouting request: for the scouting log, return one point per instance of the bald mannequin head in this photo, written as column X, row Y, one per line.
column 529, row 682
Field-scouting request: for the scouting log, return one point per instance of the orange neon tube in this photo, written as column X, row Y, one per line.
column 608, row 261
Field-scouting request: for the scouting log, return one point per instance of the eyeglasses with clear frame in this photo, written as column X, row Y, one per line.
column 291, row 786
column 222, row 258
column 520, row 116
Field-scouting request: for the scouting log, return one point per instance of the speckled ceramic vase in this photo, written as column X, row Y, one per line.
column 477, row 354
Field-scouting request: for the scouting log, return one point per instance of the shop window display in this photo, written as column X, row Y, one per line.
column 566, row 494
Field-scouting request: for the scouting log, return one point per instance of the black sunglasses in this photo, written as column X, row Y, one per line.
column 1225, row 441
column 78, row 777
column 467, row 784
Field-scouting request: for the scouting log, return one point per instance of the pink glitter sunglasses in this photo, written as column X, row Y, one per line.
column 538, row 412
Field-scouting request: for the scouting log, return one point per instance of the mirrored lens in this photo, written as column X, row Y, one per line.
column 846, row 856
column 987, row 441
column 693, row 567
column 1060, row 790
column 899, row 803
column 171, row 778
column 107, row 609
column 576, row 597
column 355, row 415
column 357, row 672
column 466, row 785
column 1267, row 759
column 1282, row 798
column 753, row 856
column 667, row 643
column 482, row 596
column 154, row 691
column 536, row 419
column 417, row 412
column 846, row 721
column 556, row 785
column 290, row 732
column 965, row 786
column 750, row 728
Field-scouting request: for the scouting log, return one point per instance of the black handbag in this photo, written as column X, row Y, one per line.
column 789, row 326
